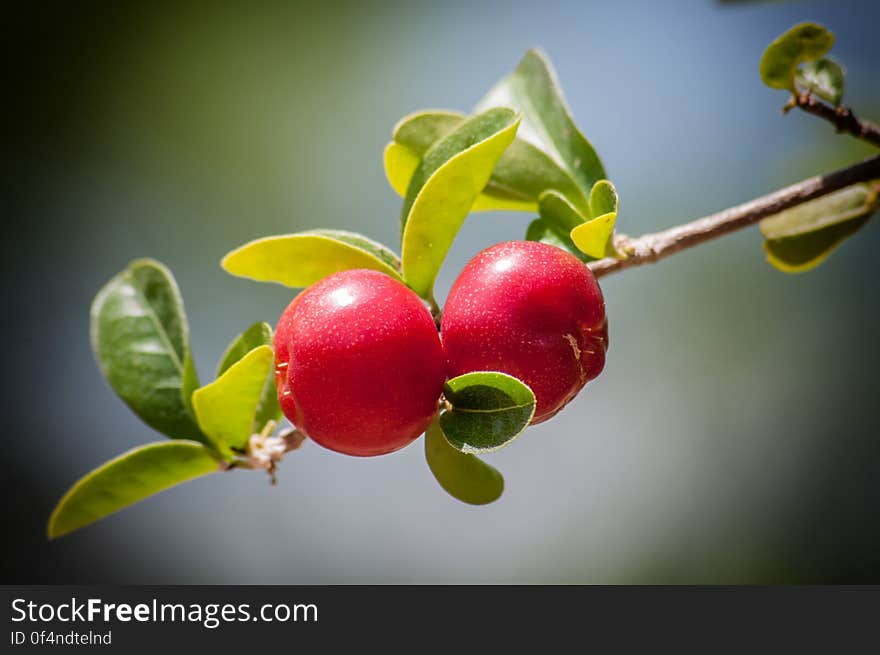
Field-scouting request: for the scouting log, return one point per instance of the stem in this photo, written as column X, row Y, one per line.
column 650, row 248
column 842, row 118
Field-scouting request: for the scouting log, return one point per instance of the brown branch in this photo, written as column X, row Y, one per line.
column 843, row 118
column 650, row 248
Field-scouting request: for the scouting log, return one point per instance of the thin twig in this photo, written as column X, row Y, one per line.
column 843, row 118
column 654, row 247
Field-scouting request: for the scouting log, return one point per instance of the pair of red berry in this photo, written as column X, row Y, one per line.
column 360, row 366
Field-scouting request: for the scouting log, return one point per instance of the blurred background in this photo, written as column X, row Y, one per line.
column 733, row 436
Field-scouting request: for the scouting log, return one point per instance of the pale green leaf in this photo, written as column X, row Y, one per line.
column 140, row 338
column 125, row 480
column 488, row 410
column 803, row 42
column 463, row 476
column 226, row 408
column 301, row 259
column 443, row 189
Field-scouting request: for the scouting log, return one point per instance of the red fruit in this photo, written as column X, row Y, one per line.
column 358, row 363
column 532, row 311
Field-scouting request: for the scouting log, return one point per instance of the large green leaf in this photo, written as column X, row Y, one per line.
column 824, row 77
column 522, row 173
column 140, row 337
column 803, row 42
column 802, row 237
column 594, row 237
column 488, row 410
column 301, row 259
column 227, row 408
column 258, row 334
column 463, row 476
column 131, row 477
column 547, row 123
column 443, row 189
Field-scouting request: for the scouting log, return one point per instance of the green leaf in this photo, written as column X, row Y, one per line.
column 522, row 173
column 443, row 189
column 801, row 238
column 824, row 77
column 603, row 199
column 489, row 409
column 594, row 237
column 802, row 253
column 557, row 219
column 125, row 480
column 541, row 231
column 803, row 42
column 422, row 129
column 141, row 340
column 547, row 123
column 226, row 409
column 301, row 259
column 837, row 207
column 258, row 334
column 463, row 476
column 189, row 383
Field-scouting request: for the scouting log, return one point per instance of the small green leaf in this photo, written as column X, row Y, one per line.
column 140, row 337
column 443, row 189
column 541, row 231
column 594, row 237
column 803, row 42
column 603, row 199
column 559, row 213
column 489, row 409
column 258, row 334
column 801, row 238
column 301, row 259
column 125, row 480
column 557, row 219
column 824, row 77
column 463, row 476
column 226, row 409
column 547, row 123
column 522, row 173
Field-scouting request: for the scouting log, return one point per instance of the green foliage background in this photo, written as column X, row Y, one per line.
column 732, row 436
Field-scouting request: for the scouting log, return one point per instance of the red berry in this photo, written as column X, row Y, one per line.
column 358, row 363
column 532, row 311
